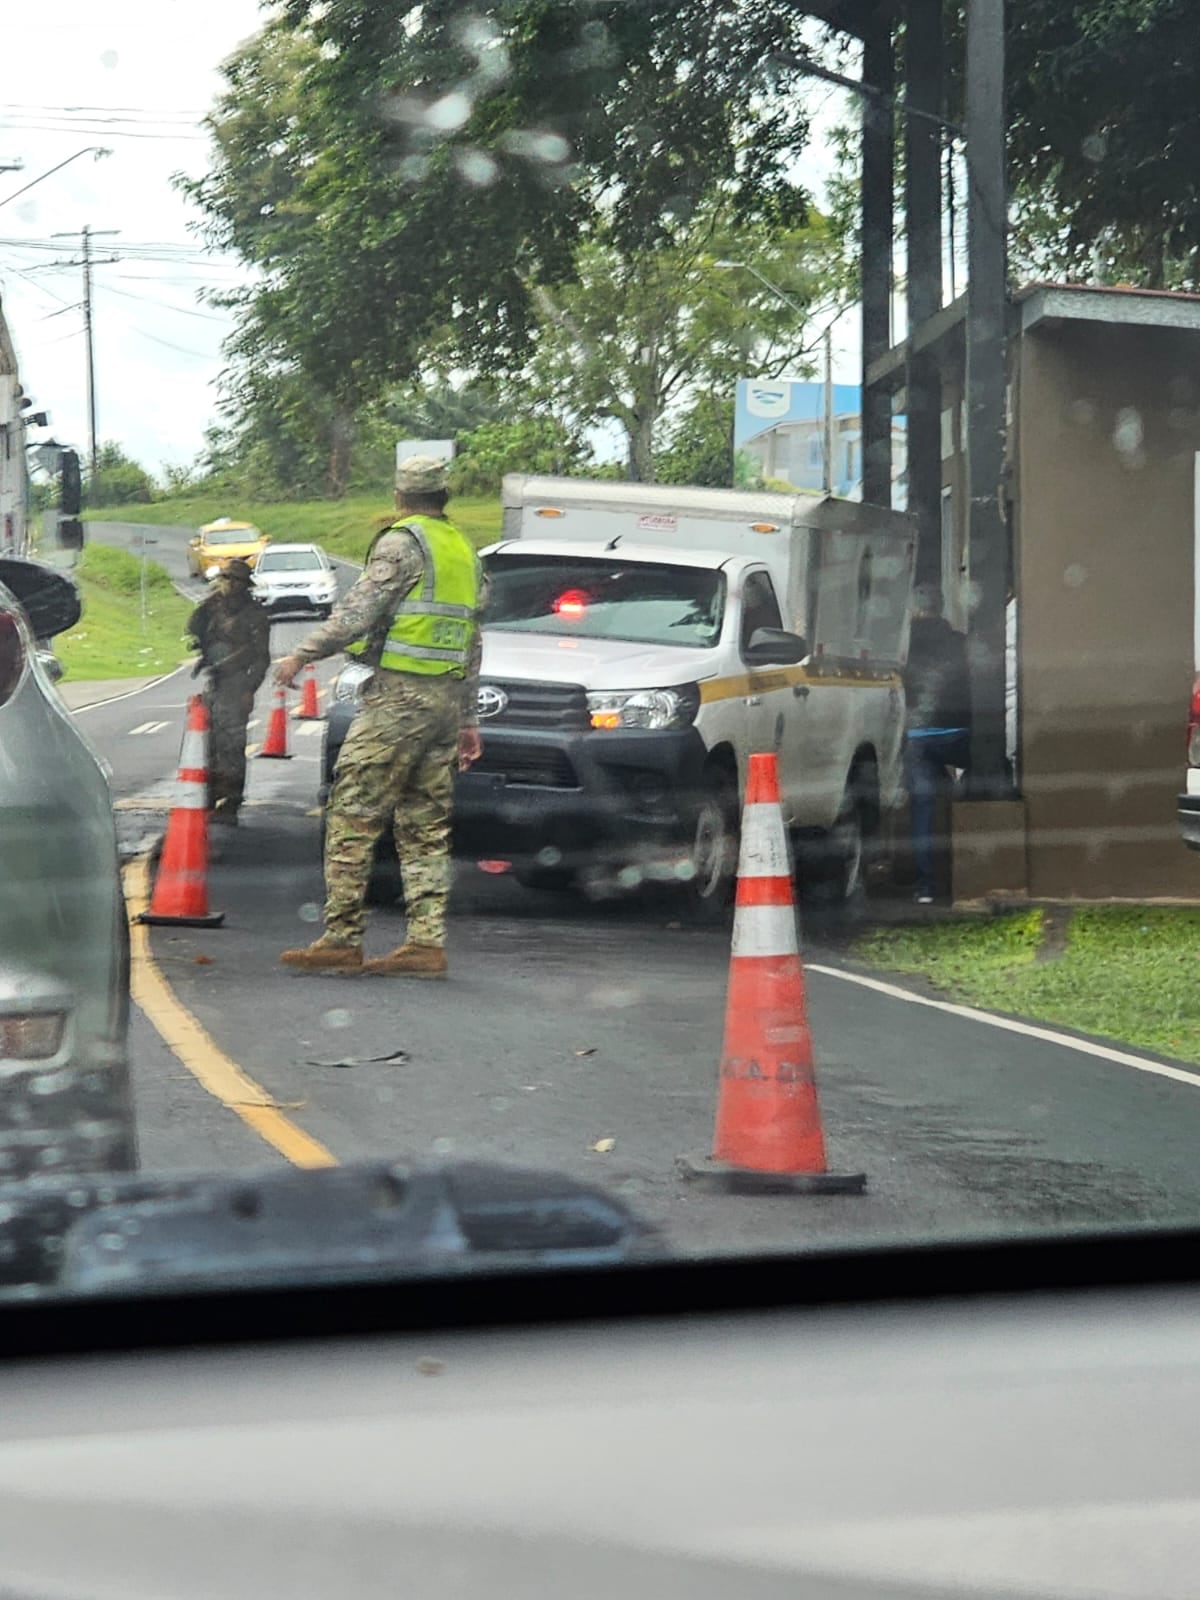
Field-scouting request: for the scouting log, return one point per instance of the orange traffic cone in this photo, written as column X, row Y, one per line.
column 768, row 1134
column 308, row 710
column 275, row 744
column 181, row 887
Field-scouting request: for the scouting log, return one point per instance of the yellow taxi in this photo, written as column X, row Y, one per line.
column 222, row 541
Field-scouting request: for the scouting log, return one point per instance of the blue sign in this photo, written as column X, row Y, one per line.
column 779, row 437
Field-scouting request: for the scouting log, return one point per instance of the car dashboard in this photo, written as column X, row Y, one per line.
column 1037, row 1441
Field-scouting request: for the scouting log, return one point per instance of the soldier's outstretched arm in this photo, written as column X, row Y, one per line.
column 394, row 568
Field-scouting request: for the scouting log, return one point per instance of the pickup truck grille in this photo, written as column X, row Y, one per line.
column 531, row 765
column 535, row 705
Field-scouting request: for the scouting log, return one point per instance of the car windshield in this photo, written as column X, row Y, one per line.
column 703, row 743
column 230, row 535
column 642, row 603
column 289, row 561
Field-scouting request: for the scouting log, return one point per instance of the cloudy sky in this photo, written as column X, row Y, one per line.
column 136, row 81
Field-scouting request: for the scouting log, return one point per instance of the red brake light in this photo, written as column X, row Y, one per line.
column 12, row 655
column 1193, row 730
column 572, row 604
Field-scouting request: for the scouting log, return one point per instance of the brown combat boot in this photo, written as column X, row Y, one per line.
column 410, row 961
column 325, row 955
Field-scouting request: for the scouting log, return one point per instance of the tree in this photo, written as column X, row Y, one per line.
column 439, row 159
column 639, row 333
column 1105, row 138
column 119, row 480
column 541, row 445
column 272, row 198
column 701, row 447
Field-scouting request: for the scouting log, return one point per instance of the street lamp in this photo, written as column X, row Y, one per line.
column 97, row 150
column 827, row 340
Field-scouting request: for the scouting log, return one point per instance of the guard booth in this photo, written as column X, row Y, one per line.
column 1103, row 501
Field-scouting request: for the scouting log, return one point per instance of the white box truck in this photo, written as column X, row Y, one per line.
column 642, row 641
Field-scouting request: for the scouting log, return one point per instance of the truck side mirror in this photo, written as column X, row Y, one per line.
column 775, row 647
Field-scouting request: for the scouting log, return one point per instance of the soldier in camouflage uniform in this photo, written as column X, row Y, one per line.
column 414, row 616
column 233, row 634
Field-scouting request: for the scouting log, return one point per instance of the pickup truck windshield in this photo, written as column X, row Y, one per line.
column 590, row 599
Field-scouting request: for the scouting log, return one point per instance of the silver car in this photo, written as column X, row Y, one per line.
column 65, row 1100
column 295, row 577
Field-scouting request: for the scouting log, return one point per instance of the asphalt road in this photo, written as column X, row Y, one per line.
column 567, row 1025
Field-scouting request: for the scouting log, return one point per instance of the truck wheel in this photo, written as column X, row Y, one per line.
column 714, row 848
column 837, row 878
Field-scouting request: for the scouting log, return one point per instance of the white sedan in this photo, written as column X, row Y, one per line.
column 295, row 577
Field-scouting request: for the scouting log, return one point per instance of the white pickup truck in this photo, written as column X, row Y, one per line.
column 642, row 641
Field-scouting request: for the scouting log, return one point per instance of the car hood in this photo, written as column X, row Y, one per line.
column 594, row 663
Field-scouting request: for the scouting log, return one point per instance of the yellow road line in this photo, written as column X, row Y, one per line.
column 198, row 1051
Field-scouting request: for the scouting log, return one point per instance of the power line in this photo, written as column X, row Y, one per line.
column 35, row 283
column 62, row 310
column 200, row 355
column 145, row 299
column 164, row 113
column 109, row 132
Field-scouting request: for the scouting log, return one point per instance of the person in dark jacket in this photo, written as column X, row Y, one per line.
column 233, row 634
column 938, row 695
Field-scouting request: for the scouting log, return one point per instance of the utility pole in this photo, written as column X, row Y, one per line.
column 87, row 261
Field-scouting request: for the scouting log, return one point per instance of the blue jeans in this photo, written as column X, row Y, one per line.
column 926, row 757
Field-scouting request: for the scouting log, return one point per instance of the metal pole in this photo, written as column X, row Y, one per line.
column 987, row 394
column 827, row 484
column 923, row 211
column 878, row 158
column 91, row 355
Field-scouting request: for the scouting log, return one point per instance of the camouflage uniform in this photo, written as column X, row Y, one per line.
column 233, row 633
column 399, row 758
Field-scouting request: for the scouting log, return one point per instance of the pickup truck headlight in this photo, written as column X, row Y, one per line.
column 645, row 708
column 349, row 681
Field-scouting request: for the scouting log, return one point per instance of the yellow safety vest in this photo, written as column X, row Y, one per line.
column 432, row 629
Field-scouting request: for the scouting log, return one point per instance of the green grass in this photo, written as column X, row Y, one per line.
column 109, row 641
column 343, row 527
column 1128, row 973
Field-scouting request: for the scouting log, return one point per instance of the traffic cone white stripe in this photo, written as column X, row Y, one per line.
column 192, row 756
column 765, row 931
column 191, row 795
column 764, row 852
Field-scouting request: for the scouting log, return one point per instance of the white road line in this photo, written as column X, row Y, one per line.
column 131, row 693
column 1105, row 1052
column 148, row 727
column 309, row 730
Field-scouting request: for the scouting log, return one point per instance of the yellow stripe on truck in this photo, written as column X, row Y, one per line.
column 747, row 683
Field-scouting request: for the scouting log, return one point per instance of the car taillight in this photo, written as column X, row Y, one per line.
column 1193, row 734
column 12, row 654
column 32, row 1037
